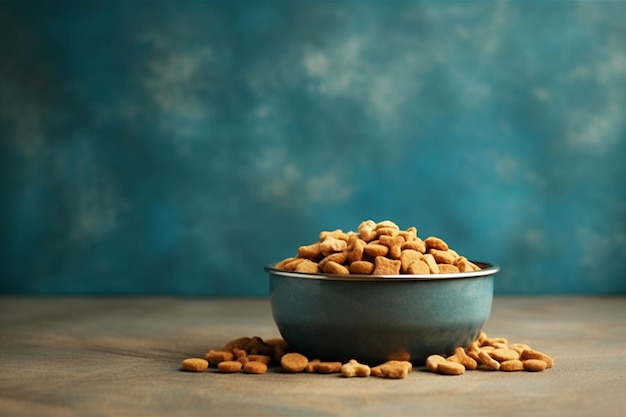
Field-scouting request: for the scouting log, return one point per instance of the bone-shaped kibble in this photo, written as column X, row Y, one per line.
column 354, row 368
column 393, row 369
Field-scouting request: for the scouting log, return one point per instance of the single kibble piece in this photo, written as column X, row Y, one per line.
column 442, row 256
column 392, row 369
column 435, row 243
column 260, row 358
column 307, row 267
column 488, row 361
column 215, row 356
column 374, row 249
column 433, row 361
column 386, row 224
column 312, row 251
column 332, row 245
column 353, row 368
column 463, row 358
column 337, row 234
column 394, row 243
column 366, row 230
column 338, row 257
column 362, row 267
column 294, row 362
column 534, row 354
column 386, row 266
column 503, row 354
column 534, row 365
column 195, row 365
column 512, row 365
column 327, row 367
column 450, row 368
column 229, row 366
column 332, row 267
column 254, row 367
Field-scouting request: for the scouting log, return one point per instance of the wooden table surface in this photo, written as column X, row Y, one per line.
column 121, row 357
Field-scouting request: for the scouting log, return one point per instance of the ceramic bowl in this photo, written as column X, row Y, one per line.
column 375, row 318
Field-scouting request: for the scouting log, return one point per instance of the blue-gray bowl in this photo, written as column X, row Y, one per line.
column 375, row 318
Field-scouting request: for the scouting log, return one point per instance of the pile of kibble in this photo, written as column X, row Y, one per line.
column 377, row 249
column 253, row 355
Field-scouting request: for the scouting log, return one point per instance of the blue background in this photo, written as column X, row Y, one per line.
column 179, row 147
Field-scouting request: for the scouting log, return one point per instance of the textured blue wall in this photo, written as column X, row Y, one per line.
column 178, row 147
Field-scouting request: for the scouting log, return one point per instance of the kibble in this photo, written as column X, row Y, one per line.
column 495, row 354
column 393, row 369
column 377, row 249
column 229, row 366
column 512, row 365
column 254, row 367
column 294, row 362
column 353, row 368
column 450, row 368
column 534, row 365
column 195, row 365
column 433, row 361
column 253, row 355
column 215, row 356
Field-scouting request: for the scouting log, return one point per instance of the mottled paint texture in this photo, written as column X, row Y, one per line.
column 178, row 147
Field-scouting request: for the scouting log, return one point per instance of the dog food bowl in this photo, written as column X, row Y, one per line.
column 374, row 318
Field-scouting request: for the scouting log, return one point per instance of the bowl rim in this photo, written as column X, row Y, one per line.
column 487, row 269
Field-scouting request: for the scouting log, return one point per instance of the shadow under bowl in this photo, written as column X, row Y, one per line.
column 376, row 318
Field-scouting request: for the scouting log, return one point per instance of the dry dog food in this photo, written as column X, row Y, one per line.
column 229, row 366
column 254, row 367
column 194, row 365
column 494, row 354
column 450, row 368
column 393, row 369
column 294, row 362
column 323, row 367
column 377, row 249
column 253, row 355
column 354, row 368
column 433, row 361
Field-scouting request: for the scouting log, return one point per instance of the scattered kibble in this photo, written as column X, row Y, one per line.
column 494, row 354
column 255, row 356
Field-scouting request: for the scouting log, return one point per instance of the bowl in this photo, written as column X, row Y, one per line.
column 376, row 318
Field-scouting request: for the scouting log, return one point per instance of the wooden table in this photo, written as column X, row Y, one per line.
column 121, row 357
